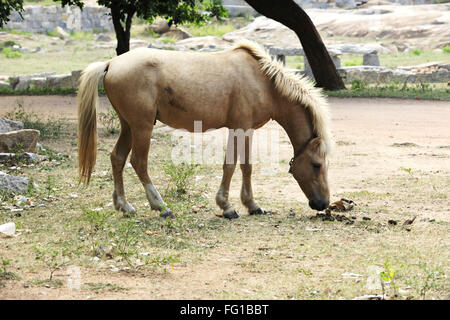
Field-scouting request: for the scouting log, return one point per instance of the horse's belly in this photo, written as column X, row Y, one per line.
column 191, row 119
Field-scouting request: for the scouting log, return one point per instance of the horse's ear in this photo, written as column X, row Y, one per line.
column 315, row 144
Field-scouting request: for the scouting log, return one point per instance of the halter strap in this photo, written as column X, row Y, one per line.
column 299, row 152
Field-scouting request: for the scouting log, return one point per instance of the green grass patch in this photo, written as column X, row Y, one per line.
column 217, row 29
column 11, row 54
column 82, row 35
column 353, row 62
column 167, row 40
column 423, row 91
column 392, row 60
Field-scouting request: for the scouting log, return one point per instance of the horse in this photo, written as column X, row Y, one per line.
column 238, row 88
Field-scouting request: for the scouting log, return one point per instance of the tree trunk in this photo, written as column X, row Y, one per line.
column 292, row 16
column 122, row 32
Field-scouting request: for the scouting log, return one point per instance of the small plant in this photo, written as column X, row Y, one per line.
column 50, row 186
column 4, row 273
column 446, row 49
column 54, row 259
column 11, row 54
column 424, row 87
column 125, row 241
column 180, row 174
column 97, row 224
column 52, row 128
column 359, row 85
column 51, row 154
column 407, row 170
column 111, row 121
column 387, row 276
column 416, row 52
column 16, row 154
column 7, row 44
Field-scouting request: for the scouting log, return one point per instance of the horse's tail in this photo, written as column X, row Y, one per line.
column 87, row 119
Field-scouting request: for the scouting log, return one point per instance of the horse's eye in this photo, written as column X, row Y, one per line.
column 316, row 165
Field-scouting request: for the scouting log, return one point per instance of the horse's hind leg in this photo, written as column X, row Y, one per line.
column 118, row 158
column 246, row 190
column 139, row 159
column 228, row 170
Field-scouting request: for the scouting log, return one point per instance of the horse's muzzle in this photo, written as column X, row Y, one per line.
column 319, row 205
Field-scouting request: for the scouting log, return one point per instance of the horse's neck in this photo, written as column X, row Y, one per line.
column 296, row 121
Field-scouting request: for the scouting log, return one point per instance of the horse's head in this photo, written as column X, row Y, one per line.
column 310, row 168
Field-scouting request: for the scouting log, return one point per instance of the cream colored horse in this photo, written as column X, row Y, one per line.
column 240, row 88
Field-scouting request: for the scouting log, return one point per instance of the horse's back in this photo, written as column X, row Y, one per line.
column 221, row 88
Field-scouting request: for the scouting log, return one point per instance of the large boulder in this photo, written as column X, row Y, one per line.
column 19, row 141
column 13, row 184
column 159, row 27
column 7, row 125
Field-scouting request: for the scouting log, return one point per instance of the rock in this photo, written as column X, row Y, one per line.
column 61, row 33
column 59, row 81
column 178, row 34
column 159, row 27
column 38, row 83
column 8, row 228
column 103, row 38
column 371, row 59
column 7, row 125
column 22, row 82
column 13, row 184
column 25, row 139
column 75, row 77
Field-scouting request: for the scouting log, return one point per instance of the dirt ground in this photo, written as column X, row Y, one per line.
column 392, row 157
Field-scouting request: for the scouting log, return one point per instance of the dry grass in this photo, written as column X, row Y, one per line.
column 198, row 255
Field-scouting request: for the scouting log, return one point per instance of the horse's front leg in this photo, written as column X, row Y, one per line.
column 228, row 170
column 139, row 160
column 246, row 190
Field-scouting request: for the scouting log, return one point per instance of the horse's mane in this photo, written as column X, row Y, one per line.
column 297, row 89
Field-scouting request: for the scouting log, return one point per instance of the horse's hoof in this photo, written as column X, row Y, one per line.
column 167, row 213
column 231, row 215
column 258, row 211
column 128, row 211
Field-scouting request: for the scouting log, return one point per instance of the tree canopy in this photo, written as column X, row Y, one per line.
column 6, row 7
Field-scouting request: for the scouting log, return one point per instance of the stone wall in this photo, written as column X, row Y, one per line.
column 428, row 73
column 42, row 19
